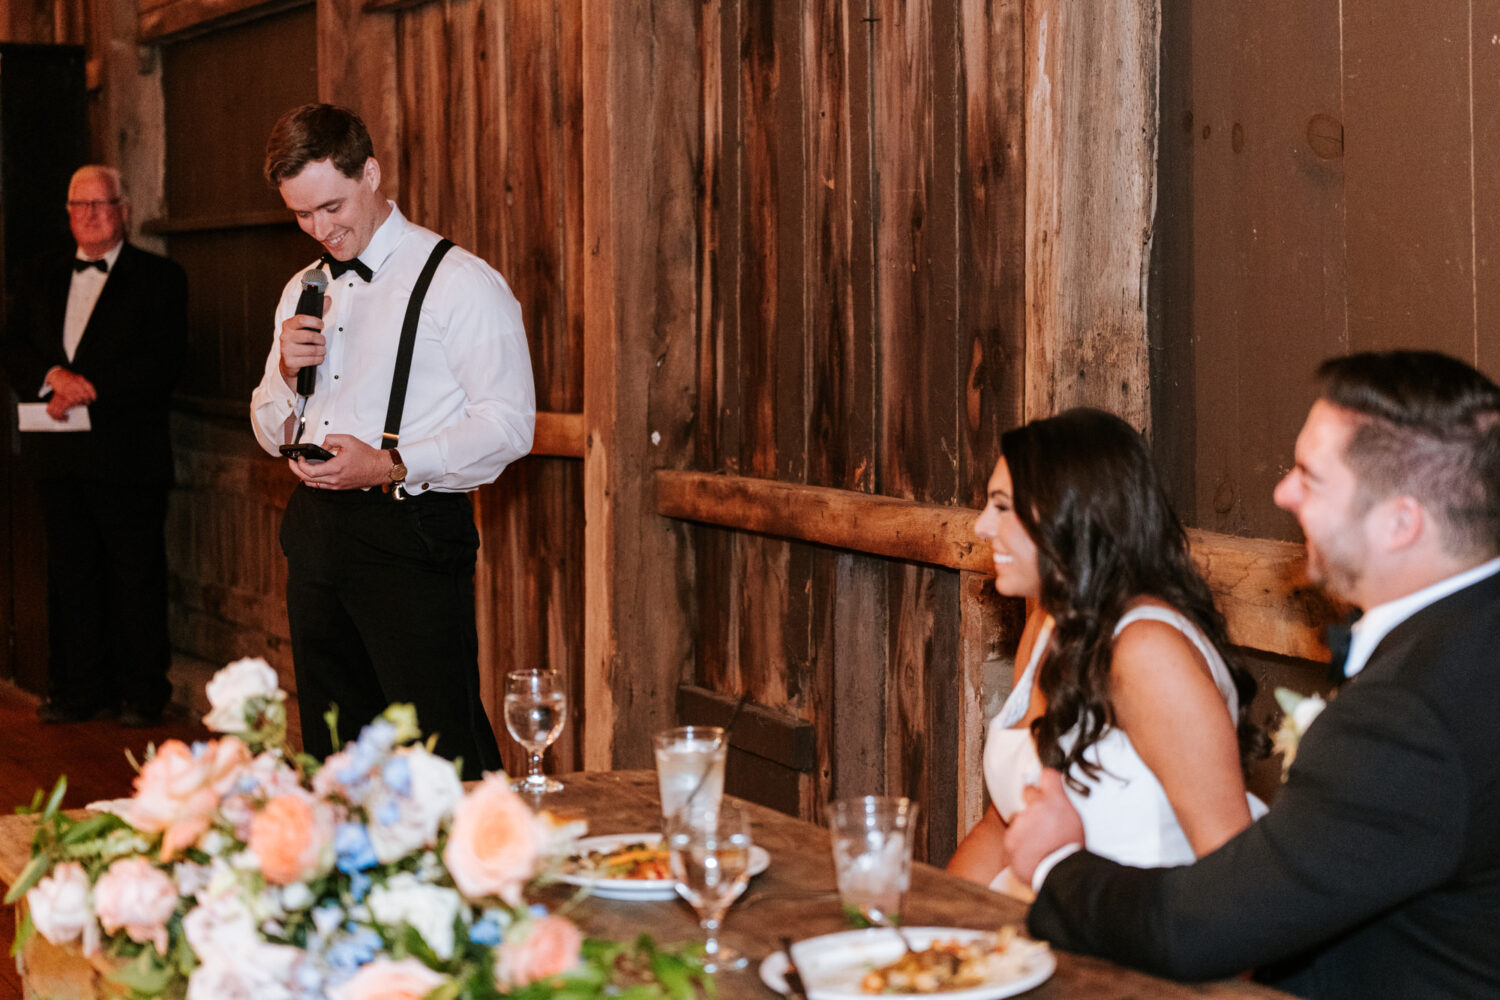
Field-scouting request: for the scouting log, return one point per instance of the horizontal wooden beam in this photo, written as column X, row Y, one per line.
column 560, row 434
column 259, row 218
column 1259, row 584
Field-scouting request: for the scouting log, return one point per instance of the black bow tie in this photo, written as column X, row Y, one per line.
column 79, row 264
column 1338, row 636
column 337, row 268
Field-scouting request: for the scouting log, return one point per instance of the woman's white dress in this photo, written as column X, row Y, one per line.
column 1126, row 815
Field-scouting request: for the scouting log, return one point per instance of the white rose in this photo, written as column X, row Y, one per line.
column 60, row 907
column 1306, row 711
column 430, row 910
column 261, row 972
column 402, row 824
column 230, row 691
column 220, row 929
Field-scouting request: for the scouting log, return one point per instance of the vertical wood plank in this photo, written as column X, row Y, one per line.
column 356, row 66
column 1090, row 151
column 1253, row 248
column 639, row 64
column 1484, row 39
column 992, row 235
column 1410, row 223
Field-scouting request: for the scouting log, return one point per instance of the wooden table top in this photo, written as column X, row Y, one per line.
column 794, row 896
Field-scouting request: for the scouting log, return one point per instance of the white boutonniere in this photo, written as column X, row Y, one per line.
column 1298, row 713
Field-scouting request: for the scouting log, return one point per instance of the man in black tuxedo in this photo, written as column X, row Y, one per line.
column 101, row 336
column 1376, row 872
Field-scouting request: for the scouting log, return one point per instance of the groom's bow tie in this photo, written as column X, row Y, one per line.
column 79, row 264
column 337, row 268
column 1338, row 636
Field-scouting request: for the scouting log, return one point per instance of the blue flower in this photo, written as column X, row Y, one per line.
column 352, row 844
column 397, row 775
column 486, row 932
column 356, row 949
column 359, row 885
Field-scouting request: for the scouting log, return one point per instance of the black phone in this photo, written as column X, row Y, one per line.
column 311, row 452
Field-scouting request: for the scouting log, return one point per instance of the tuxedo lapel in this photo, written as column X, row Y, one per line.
column 101, row 327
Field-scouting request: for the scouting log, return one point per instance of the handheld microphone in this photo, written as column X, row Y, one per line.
column 310, row 303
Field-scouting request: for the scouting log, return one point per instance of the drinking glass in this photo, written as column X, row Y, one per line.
column 690, row 768
column 872, row 838
column 535, row 709
column 710, row 852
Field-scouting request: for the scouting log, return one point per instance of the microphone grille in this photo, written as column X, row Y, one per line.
column 315, row 277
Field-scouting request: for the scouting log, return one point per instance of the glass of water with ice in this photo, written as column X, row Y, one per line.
column 535, row 710
column 872, row 839
column 690, row 769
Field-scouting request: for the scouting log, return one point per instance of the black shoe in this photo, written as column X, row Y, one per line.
column 53, row 712
column 139, row 718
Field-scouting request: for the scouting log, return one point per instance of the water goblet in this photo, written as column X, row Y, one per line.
column 872, row 840
column 710, row 852
column 535, row 710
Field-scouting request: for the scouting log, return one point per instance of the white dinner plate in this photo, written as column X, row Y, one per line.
column 639, row 888
column 832, row 965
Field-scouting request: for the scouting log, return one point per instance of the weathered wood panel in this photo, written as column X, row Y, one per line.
column 1090, row 153
column 1484, row 54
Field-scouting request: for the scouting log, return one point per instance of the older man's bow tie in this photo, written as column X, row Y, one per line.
column 79, row 264
column 337, row 268
column 1338, row 636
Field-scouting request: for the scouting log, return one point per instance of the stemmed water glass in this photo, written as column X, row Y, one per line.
column 710, row 851
column 535, row 710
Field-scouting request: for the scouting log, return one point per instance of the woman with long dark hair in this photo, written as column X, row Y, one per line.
column 1122, row 681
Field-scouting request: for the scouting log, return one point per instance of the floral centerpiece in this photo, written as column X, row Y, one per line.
column 241, row 870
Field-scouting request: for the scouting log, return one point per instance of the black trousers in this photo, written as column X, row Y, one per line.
column 107, row 594
column 380, row 600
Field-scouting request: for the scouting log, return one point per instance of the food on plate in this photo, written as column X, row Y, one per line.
column 952, row 964
column 641, row 859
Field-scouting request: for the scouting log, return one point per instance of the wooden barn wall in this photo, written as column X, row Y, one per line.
column 489, row 104
column 1327, row 185
column 863, row 328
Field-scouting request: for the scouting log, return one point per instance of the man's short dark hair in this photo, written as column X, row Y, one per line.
column 1429, row 428
column 316, row 132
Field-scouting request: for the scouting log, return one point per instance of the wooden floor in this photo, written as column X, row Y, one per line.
column 91, row 754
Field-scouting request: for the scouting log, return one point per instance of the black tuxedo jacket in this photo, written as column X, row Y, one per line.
column 132, row 350
column 1377, row 871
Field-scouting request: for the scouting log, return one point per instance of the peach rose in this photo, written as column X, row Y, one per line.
column 552, row 946
column 384, row 979
column 138, row 896
column 492, row 845
column 292, row 838
column 177, row 791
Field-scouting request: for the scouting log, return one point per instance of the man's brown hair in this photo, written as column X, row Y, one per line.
column 317, row 132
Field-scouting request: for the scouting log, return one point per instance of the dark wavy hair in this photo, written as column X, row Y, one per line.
column 1085, row 490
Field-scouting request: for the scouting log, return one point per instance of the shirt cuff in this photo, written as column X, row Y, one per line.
column 1045, row 866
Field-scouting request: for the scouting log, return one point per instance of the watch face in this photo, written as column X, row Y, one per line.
column 398, row 473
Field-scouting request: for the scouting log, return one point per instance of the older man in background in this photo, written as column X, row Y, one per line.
column 93, row 342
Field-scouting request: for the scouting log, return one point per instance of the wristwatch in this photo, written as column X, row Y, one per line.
column 398, row 470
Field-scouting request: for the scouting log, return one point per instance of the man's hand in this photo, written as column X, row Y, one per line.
column 69, row 389
column 354, row 465
column 302, row 344
column 1048, row 822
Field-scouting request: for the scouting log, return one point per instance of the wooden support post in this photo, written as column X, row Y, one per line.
column 641, row 144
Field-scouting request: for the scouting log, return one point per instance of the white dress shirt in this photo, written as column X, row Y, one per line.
column 83, row 295
column 1376, row 623
column 470, row 402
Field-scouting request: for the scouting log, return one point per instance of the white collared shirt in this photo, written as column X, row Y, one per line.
column 1376, row 623
column 83, row 295
column 470, row 403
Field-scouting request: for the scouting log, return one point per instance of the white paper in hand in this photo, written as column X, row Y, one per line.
column 33, row 417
